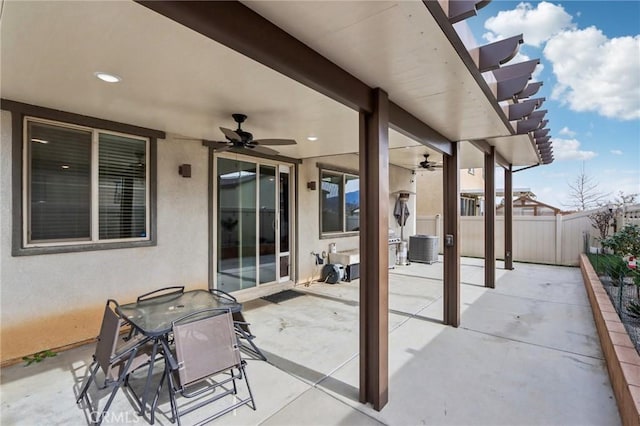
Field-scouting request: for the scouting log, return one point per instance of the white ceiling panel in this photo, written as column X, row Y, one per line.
column 400, row 48
column 178, row 81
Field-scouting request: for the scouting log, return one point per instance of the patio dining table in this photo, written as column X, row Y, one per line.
column 154, row 317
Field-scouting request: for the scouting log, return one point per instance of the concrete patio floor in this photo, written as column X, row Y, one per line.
column 526, row 353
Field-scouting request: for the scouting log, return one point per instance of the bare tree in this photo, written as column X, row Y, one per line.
column 604, row 217
column 583, row 192
column 623, row 199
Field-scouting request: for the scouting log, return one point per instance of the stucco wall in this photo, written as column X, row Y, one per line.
column 471, row 181
column 309, row 202
column 53, row 300
column 429, row 192
column 429, row 188
column 308, row 220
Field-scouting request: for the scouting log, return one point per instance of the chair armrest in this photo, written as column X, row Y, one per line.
column 131, row 344
column 176, row 289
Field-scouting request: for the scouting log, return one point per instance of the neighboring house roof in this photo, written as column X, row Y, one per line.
column 517, row 192
column 538, row 208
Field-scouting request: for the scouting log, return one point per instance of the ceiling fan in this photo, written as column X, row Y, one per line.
column 244, row 140
column 429, row 165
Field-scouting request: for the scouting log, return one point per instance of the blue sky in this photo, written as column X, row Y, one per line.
column 590, row 56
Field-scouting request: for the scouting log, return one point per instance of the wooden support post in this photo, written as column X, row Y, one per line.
column 490, row 218
column 451, row 228
column 508, row 218
column 374, row 252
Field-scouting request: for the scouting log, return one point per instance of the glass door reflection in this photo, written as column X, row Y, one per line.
column 267, row 223
column 236, row 225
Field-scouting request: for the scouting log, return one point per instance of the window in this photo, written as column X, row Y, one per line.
column 84, row 185
column 468, row 206
column 339, row 203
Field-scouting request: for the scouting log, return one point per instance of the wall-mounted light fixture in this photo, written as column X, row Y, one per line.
column 184, row 170
column 311, row 185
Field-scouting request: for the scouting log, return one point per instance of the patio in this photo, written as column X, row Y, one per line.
column 526, row 352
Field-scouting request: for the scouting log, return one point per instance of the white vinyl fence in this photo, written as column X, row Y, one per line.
column 538, row 239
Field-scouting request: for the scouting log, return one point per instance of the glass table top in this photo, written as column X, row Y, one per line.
column 153, row 317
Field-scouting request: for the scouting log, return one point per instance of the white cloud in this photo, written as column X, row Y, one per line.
column 595, row 73
column 565, row 131
column 616, row 152
column 537, row 24
column 569, row 149
column 626, row 184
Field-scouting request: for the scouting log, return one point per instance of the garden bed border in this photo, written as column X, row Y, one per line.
column 621, row 356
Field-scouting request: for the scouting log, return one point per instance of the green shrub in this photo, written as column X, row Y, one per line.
column 624, row 242
column 603, row 264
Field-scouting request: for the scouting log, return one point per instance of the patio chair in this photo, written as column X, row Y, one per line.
column 117, row 359
column 241, row 326
column 206, row 364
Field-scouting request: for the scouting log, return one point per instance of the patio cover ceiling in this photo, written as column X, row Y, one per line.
column 181, row 82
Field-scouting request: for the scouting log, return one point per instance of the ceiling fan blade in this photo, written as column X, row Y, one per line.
column 185, row 138
column 223, row 148
column 230, row 134
column 219, row 146
column 274, row 142
column 262, row 149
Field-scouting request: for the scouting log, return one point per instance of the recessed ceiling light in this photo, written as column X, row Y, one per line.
column 65, row 166
column 39, row 140
column 109, row 78
column 312, row 138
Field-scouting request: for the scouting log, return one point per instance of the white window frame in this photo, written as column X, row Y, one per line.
column 95, row 212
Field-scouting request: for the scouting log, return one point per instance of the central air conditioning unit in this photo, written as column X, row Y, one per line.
column 423, row 248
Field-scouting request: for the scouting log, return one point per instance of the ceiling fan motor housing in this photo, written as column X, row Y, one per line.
column 239, row 118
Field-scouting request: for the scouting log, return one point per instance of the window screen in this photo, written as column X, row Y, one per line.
column 331, row 202
column 122, row 188
column 59, row 183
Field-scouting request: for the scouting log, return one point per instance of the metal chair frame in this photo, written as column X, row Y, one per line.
column 241, row 327
column 108, row 357
column 182, row 378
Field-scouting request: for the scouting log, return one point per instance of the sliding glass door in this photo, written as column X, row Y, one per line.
column 251, row 223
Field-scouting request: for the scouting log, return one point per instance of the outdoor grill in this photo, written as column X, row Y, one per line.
column 393, row 248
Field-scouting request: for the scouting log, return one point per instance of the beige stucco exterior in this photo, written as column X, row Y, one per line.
column 53, row 300
column 429, row 187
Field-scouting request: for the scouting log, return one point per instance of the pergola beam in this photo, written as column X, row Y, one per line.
column 486, row 148
column 410, row 126
column 491, row 56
